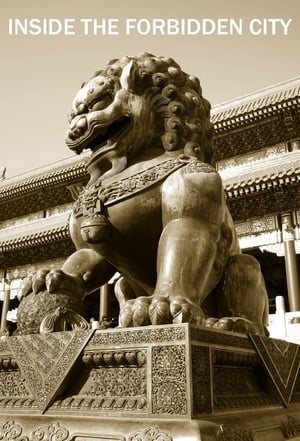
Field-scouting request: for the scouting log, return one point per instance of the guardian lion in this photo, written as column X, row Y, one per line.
column 154, row 209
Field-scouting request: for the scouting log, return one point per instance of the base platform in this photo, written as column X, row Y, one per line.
column 156, row 383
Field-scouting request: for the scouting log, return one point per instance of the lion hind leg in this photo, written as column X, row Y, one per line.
column 242, row 298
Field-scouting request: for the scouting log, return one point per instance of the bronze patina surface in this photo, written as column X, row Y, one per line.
column 154, row 209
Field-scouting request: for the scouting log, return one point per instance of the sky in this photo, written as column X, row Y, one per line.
column 235, row 47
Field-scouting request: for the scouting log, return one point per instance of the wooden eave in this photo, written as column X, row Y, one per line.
column 266, row 187
column 40, row 190
column 257, row 106
column 263, row 175
column 44, row 239
column 258, row 120
column 67, row 172
column 32, row 234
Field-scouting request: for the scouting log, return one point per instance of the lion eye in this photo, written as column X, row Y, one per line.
column 101, row 104
column 98, row 106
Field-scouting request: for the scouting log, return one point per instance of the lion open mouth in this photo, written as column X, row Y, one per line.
column 113, row 132
column 98, row 136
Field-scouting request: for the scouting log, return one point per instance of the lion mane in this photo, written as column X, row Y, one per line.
column 181, row 114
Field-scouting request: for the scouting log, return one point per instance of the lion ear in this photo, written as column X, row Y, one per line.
column 127, row 77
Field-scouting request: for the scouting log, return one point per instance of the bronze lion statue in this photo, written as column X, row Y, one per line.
column 154, row 209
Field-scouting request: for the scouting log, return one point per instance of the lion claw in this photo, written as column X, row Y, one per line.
column 125, row 316
column 159, row 311
column 141, row 312
column 26, row 288
column 54, row 280
column 38, row 281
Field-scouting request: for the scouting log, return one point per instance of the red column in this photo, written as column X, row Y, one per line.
column 290, row 257
column 5, row 306
column 104, row 302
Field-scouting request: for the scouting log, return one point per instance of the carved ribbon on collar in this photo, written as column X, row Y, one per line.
column 96, row 197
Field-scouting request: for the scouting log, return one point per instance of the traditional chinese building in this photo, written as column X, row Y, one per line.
column 257, row 154
column 257, row 139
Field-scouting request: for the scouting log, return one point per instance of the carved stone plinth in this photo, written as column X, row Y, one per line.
column 166, row 383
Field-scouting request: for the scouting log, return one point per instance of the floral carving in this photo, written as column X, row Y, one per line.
column 169, row 380
column 114, row 382
column 12, row 384
column 201, row 377
column 53, row 432
column 150, row 434
column 11, row 431
column 174, row 333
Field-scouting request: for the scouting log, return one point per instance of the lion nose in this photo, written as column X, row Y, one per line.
column 77, row 127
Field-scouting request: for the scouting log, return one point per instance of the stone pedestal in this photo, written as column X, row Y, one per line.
column 157, row 383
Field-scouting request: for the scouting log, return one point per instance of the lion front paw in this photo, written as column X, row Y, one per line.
column 57, row 281
column 159, row 310
column 54, row 281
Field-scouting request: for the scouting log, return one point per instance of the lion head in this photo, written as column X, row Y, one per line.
column 134, row 103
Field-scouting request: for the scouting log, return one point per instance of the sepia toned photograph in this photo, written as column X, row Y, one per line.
column 150, row 220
